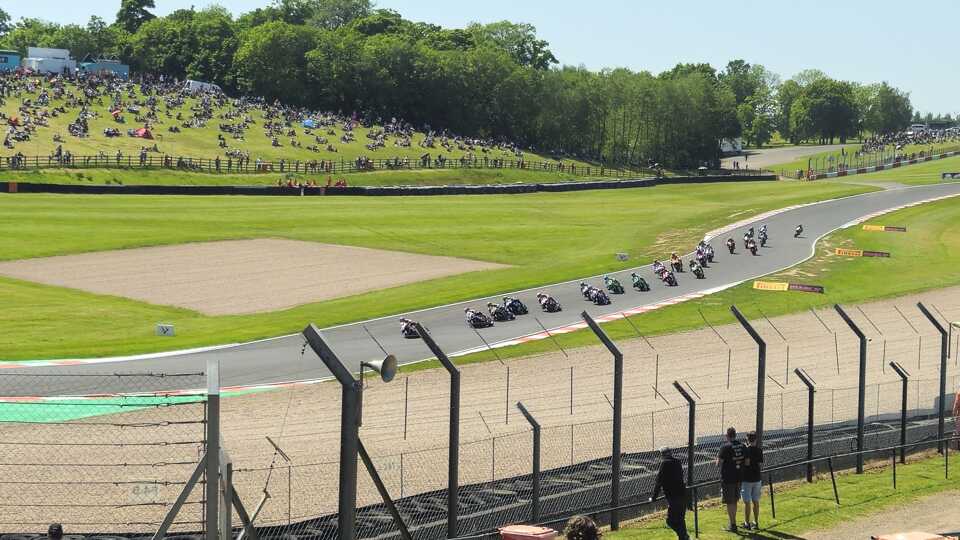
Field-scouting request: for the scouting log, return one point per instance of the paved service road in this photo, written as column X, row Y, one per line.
column 281, row 359
column 765, row 157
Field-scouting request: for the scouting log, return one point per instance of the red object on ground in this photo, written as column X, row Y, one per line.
column 527, row 532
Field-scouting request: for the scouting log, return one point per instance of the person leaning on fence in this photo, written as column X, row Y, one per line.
column 581, row 528
column 730, row 459
column 670, row 478
column 750, row 488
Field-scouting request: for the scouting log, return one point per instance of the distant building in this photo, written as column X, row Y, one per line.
column 105, row 66
column 9, row 60
column 731, row 146
column 44, row 60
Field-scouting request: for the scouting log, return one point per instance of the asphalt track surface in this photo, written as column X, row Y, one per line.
column 284, row 358
column 766, row 157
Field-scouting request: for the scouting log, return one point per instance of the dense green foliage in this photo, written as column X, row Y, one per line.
column 489, row 80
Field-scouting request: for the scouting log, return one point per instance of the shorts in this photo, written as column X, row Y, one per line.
column 750, row 491
column 730, row 493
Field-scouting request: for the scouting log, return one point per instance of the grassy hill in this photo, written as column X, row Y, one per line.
column 335, row 143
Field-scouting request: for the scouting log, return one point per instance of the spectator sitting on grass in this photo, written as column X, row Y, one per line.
column 581, row 528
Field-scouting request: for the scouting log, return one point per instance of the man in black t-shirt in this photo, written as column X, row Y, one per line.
column 670, row 479
column 751, row 486
column 730, row 459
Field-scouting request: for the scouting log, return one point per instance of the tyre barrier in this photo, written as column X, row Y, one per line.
column 368, row 191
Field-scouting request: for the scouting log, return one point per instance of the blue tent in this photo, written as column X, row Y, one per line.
column 309, row 123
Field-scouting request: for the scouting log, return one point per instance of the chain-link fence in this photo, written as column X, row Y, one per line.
column 98, row 463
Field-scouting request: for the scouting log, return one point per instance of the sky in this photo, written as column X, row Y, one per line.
column 880, row 40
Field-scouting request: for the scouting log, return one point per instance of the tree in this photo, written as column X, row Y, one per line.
column 518, row 40
column 271, row 61
column 5, row 25
column 889, row 110
column 787, row 94
column 333, row 14
column 133, row 13
column 756, row 116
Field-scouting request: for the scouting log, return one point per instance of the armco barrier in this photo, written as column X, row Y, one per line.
column 486, row 189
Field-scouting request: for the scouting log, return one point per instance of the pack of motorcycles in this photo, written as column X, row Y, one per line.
column 510, row 307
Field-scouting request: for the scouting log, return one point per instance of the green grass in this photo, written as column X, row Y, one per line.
column 919, row 174
column 546, row 237
column 933, row 234
column 820, row 161
column 804, row 508
column 428, row 177
column 201, row 142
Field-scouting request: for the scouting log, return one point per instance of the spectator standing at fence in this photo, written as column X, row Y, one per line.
column 730, row 459
column 670, row 478
column 750, row 489
column 581, row 528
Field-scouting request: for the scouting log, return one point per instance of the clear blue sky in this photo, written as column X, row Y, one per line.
column 910, row 45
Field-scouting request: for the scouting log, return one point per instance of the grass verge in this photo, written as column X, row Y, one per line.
column 546, row 237
column 803, row 508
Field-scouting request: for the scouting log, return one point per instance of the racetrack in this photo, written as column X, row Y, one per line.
column 280, row 359
column 766, row 157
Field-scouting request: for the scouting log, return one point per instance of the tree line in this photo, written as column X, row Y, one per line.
column 495, row 80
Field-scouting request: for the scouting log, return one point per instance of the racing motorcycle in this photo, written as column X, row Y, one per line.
column 763, row 238
column 697, row 270
column 731, row 245
column 677, row 264
column 499, row 313
column 669, row 279
column 477, row 319
column 752, row 246
column 548, row 303
column 598, row 297
column 708, row 249
column 613, row 285
column 514, row 305
column 798, row 231
column 639, row 283
column 585, row 290
column 408, row 330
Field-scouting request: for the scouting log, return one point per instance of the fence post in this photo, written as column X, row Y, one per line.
column 453, row 439
column 811, row 390
column 615, row 456
column 212, row 492
column 905, row 378
column 691, row 428
column 944, row 343
column 761, row 368
column 382, row 490
column 861, row 383
column 535, row 489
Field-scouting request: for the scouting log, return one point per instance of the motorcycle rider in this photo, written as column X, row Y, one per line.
column 675, row 262
column 658, row 267
column 639, row 282
column 497, row 311
column 470, row 315
column 731, row 245
column 752, row 246
column 798, row 231
column 612, row 283
column 546, row 301
column 708, row 250
column 696, row 268
column 746, row 240
column 514, row 305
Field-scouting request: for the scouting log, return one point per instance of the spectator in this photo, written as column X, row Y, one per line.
column 581, row 528
column 730, row 459
column 750, row 489
column 670, row 478
column 55, row 531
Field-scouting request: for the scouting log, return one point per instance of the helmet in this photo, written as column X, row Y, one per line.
column 466, row 310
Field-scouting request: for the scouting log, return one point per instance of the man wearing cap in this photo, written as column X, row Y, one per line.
column 730, row 459
column 670, row 478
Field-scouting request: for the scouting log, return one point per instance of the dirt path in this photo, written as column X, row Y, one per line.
column 938, row 513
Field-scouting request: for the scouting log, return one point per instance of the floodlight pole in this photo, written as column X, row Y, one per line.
column 761, row 368
column 861, row 382
column 811, row 390
column 453, row 442
column 944, row 343
column 350, row 417
column 905, row 378
column 615, row 455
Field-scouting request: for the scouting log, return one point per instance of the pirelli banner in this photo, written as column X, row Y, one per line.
column 780, row 286
column 884, row 228
column 843, row 252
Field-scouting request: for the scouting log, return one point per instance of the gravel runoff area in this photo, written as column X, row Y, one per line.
column 238, row 276
column 938, row 513
column 405, row 421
